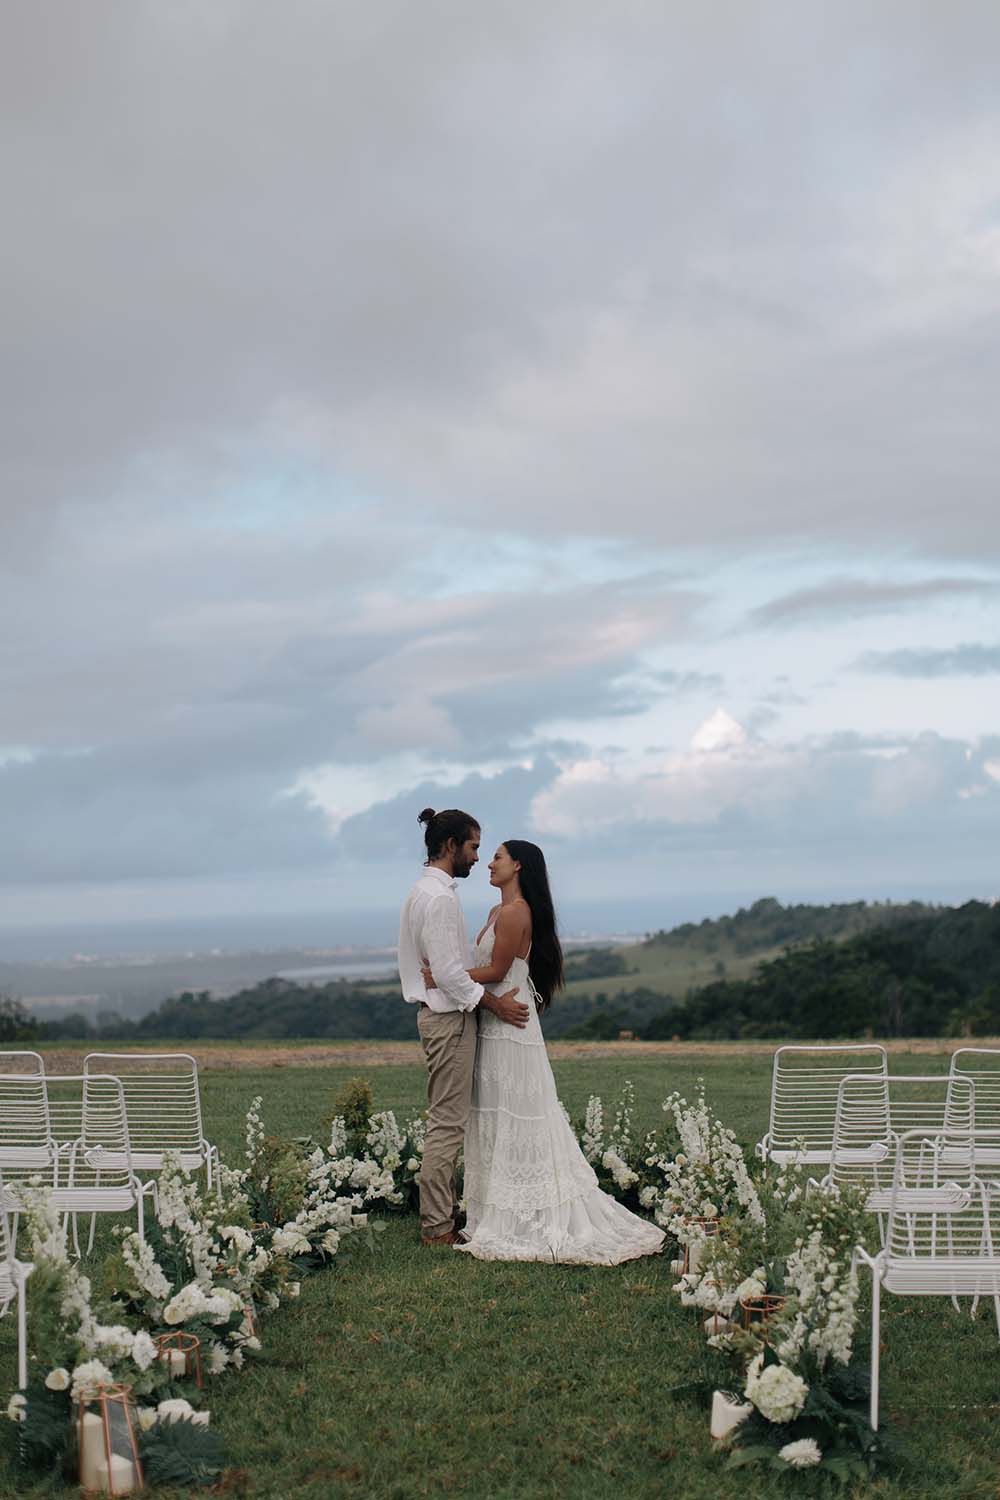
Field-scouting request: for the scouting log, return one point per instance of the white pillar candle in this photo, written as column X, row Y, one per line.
column 116, row 1477
column 677, row 1266
column 91, row 1450
column 716, row 1324
column 294, row 1288
column 727, row 1412
column 176, row 1362
column 696, row 1255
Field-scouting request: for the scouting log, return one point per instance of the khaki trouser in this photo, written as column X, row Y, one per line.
column 449, row 1043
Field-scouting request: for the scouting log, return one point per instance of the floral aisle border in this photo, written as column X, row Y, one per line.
column 214, row 1269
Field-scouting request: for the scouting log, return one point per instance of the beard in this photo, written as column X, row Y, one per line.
column 461, row 869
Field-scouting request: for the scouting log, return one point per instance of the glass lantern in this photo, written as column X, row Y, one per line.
column 181, row 1354
column 108, row 1441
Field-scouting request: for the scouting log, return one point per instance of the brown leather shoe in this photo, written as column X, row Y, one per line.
column 439, row 1239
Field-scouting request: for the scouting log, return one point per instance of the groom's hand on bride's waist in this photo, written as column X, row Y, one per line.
column 506, row 1008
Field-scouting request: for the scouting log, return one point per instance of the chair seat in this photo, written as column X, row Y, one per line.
column 36, row 1157
column 148, row 1161
column 92, row 1199
column 947, row 1198
column 786, row 1158
column 961, row 1276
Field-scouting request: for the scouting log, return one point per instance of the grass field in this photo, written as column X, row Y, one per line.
column 407, row 1372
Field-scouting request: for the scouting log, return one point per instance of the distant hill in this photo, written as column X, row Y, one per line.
column 693, row 954
column 930, row 974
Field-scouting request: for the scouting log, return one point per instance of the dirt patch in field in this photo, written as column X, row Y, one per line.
column 220, row 1056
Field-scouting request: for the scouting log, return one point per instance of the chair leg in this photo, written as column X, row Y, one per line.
column 140, row 1216
column 93, row 1227
column 876, row 1292
column 22, row 1337
column 76, row 1239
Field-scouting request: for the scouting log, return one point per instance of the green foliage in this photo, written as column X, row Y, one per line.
column 277, row 1181
column 354, row 1105
column 182, row 1455
column 46, row 1438
column 596, row 963
column 16, row 1023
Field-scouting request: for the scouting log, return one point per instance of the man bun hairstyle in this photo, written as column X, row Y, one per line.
column 439, row 827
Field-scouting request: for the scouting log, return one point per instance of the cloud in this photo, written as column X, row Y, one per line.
column 692, row 290
column 850, row 598
column 732, row 791
column 970, row 660
column 388, row 829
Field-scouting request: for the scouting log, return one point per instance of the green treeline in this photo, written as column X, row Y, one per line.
column 916, row 971
column 936, row 975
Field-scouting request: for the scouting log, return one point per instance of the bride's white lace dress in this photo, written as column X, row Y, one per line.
column 530, row 1193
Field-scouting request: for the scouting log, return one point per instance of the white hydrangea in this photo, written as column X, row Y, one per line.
column 802, row 1454
column 144, row 1351
column 290, row 1241
column 777, row 1392
column 240, row 1239
column 89, row 1374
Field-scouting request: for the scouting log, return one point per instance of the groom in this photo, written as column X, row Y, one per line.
column 432, row 932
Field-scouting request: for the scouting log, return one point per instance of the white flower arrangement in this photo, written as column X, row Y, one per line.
column 775, row 1390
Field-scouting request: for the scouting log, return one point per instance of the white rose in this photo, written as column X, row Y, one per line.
column 175, row 1410
column 16, row 1407
column 413, row 1165
column 58, row 1380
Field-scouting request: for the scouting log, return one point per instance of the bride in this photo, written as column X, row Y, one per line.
column 530, row 1193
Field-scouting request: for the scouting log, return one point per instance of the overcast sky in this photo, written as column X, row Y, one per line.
column 585, row 414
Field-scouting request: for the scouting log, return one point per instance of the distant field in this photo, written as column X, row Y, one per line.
column 673, row 970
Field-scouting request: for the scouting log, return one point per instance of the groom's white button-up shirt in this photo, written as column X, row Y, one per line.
column 432, row 927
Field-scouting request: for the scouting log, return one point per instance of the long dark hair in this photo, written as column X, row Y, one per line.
column 545, row 962
column 439, row 827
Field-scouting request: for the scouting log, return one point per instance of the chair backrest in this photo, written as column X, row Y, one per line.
column 6, row 1237
column 951, row 1221
column 804, row 1083
column 162, row 1098
column 982, row 1066
column 21, row 1062
column 89, row 1125
column 874, row 1113
column 25, row 1127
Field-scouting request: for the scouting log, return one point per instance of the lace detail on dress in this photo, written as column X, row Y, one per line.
column 530, row 1192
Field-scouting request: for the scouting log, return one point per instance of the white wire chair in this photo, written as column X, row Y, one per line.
column 163, row 1106
column 89, row 1167
column 804, row 1083
column 873, row 1114
column 939, row 1240
column 14, row 1275
column 981, row 1065
column 26, row 1143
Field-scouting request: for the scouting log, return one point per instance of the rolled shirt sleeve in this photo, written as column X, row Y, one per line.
column 444, row 948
